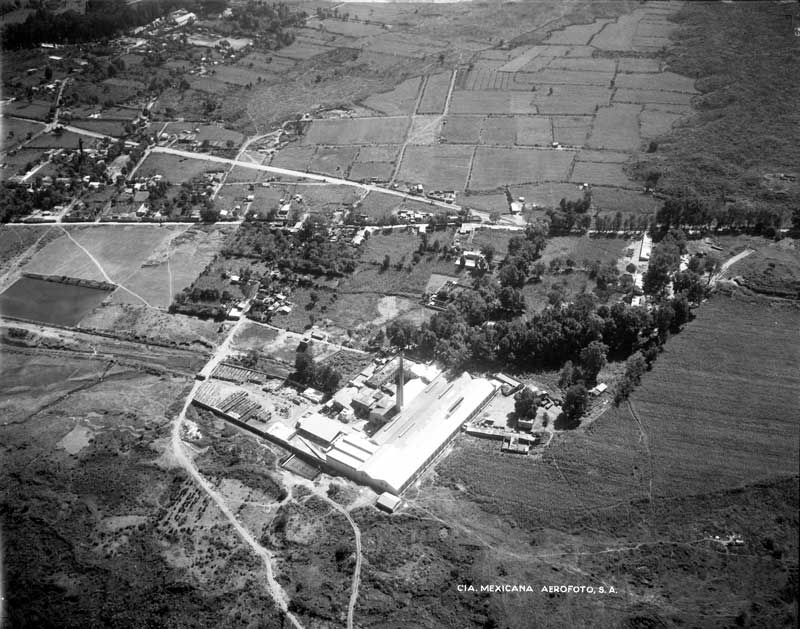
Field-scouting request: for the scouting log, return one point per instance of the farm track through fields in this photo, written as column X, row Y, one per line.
column 103, row 271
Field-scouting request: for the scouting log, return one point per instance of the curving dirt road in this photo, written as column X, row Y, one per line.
column 277, row 592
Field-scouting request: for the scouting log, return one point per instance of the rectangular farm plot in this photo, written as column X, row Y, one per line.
column 435, row 94
column 358, row 131
column 577, row 34
column 652, row 97
column 566, row 77
column 493, row 102
column 378, row 153
column 293, row 157
column 587, row 64
column 616, row 127
column 366, row 171
column 571, row 130
column 496, row 167
column 333, row 160
column 662, row 81
column 16, row 131
column 399, row 101
column 637, row 64
column 517, row 130
column 569, row 99
column 443, row 166
column 654, row 123
column 601, row 174
column 462, row 129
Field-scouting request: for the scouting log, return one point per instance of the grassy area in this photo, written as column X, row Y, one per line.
column 744, row 57
column 585, row 248
column 773, row 270
column 570, row 285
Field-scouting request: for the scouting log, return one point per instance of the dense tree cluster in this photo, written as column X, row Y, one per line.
column 307, row 372
column 571, row 214
column 18, row 200
column 690, row 211
column 103, row 19
column 306, row 251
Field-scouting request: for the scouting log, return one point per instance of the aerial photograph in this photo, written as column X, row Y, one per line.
column 464, row 314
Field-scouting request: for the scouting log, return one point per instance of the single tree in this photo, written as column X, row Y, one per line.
column 576, row 399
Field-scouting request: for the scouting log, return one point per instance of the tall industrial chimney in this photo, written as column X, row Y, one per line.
column 399, row 379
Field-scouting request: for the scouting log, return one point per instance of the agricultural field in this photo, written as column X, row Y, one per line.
column 616, row 128
column 398, row 102
column 293, row 157
column 34, row 109
column 434, row 93
column 172, row 266
column 605, row 250
column 708, row 424
column 441, row 167
column 174, row 168
column 333, row 161
column 602, row 174
column 118, row 250
column 15, row 131
column 389, row 130
column 496, row 167
column 517, row 130
column 691, row 458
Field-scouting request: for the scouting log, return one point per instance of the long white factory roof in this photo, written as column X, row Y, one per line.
column 423, row 426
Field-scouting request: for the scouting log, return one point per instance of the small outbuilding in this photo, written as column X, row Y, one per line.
column 388, row 502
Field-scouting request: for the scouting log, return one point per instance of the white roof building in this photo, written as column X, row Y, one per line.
column 322, row 428
column 395, row 455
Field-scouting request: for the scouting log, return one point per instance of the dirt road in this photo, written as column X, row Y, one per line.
column 277, row 592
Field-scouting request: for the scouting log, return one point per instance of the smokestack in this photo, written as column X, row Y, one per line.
column 400, row 381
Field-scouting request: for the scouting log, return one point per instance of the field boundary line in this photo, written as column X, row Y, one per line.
column 102, row 270
column 644, row 439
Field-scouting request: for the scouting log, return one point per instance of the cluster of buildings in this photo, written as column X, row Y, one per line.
column 388, row 424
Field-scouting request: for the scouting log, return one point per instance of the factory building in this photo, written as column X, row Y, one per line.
column 414, row 410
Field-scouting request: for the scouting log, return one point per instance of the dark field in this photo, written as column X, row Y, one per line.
column 709, row 446
column 744, row 57
column 49, row 302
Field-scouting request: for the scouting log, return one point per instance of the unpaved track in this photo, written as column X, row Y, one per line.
column 351, row 607
column 102, row 270
column 277, row 592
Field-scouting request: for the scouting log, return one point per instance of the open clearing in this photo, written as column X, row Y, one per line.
column 173, row 265
column 174, row 168
column 119, row 249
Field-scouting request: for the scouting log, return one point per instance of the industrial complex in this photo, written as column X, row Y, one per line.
column 382, row 429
